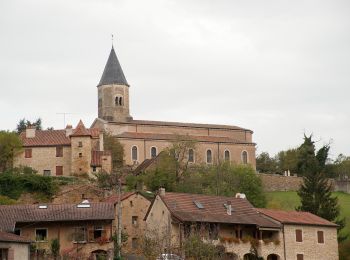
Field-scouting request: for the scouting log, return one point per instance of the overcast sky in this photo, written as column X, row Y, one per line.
column 280, row 68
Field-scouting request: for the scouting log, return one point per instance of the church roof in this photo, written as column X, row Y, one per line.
column 113, row 73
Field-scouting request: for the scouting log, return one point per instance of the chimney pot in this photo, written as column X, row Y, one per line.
column 162, row 191
column 30, row 131
column 69, row 130
column 229, row 208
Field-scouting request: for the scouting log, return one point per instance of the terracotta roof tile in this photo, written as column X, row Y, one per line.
column 96, row 157
column 12, row 214
column 114, row 198
column 183, row 207
column 81, row 130
column 9, row 237
column 152, row 136
column 296, row 217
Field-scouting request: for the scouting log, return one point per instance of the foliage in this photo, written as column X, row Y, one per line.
column 344, row 250
column 195, row 248
column 266, row 164
column 23, row 124
column 14, row 184
column 287, row 160
column 4, row 200
column 10, row 145
column 55, row 247
column 316, row 192
column 117, row 151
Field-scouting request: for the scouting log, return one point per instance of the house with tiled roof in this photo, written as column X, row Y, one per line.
column 234, row 224
column 14, row 247
column 64, row 152
column 144, row 139
column 83, row 229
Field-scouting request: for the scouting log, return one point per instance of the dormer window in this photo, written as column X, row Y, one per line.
column 119, row 101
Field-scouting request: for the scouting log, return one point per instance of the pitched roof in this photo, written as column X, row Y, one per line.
column 172, row 137
column 296, row 217
column 114, row 198
column 182, row 206
column 12, row 214
column 81, row 130
column 113, row 73
column 96, row 157
column 9, row 237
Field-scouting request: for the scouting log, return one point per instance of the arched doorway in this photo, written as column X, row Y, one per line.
column 249, row 257
column 273, row 257
column 99, row 255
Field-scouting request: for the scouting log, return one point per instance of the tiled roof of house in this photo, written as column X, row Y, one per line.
column 182, row 124
column 96, row 157
column 114, row 198
column 12, row 214
column 9, row 237
column 172, row 137
column 296, row 217
column 52, row 137
column 183, row 207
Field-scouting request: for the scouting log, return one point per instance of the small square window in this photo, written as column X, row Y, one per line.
column 79, row 235
column 94, row 168
column 47, row 172
column 28, row 153
column 41, row 234
column 134, row 220
column 80, row 155
column 80, row 144
column 98, row 232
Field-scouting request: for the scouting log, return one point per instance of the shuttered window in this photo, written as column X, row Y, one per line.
column 59, row 170
column 300, row 257
column 59, row 151
column 320, row 237
column 298, row 235
column 28, row 153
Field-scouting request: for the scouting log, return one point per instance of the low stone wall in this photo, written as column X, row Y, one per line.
column 275, row 182
column 342, row 185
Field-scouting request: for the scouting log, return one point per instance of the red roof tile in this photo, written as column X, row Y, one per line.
column 9, row 237
column 81, row 130
column 171, row 137
column 96, row 157
column 183, row 207
column 114, row 198
column 296, row 217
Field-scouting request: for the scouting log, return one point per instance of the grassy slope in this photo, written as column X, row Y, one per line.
column 288, row 200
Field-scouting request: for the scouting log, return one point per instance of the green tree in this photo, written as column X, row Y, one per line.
column 55, row 247
column 316, row 192
column 10, row 145
column 287, row 160
column 265, row 163
column 24, row 123
column 195, row 248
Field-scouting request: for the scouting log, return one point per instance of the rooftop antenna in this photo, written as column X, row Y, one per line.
column 64, row 117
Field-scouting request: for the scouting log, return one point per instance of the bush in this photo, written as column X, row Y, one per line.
column 4, row 200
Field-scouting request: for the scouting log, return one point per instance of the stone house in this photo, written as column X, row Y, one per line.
column 235, row 225
column 144, row 139
column 64, row 152
column 134, row 207
column 306, row 236
column 14, row 247
column 83, row 229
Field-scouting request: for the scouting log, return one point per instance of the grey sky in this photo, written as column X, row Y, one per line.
column 280, row 68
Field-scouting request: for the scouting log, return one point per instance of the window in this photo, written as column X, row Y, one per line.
column 79, row 234
column 98, row 232
column 153, row 152
column 320, row 237
column 190, row 155
column 17, row 232
column 134, row 153
column 41, row 234
column 131, row 203
column 100, row 102
column 59, row 151
column 300, row 257
column 47, row 172
column 4, row 253
column 213, row 231
column 94, row 168
column 227, row 155
column 28, row 153
column 298, row 235
column 80, row 144
column 59, row 170
column 134, row 220
column 244, row 157
column 134, row 243
column 118, row 101
column 209, row 156
column 80, row 155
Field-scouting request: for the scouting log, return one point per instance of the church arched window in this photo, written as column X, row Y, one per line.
column 209, row 156
column 153, row 152
column 244, row 157
column 190, row 155
column 227, row 155
column 134, row 153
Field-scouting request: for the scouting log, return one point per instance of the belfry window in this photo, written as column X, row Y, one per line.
column 153, row 152
column 209, row 156
column 244, row 157
column 134, row 153
column 227, row 155
column 118, row 101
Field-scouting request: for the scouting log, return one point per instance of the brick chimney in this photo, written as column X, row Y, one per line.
column 229, row 208
column 69, row 130
column 30, row 131
column 162, row 191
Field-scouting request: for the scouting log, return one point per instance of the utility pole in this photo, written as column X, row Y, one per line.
column 64, row 117
column 119, row 220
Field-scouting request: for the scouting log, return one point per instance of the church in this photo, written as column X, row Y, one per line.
column 144, row 139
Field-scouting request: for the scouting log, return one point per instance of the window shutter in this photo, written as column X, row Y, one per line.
column 59, row 170
column 299, row 235
column 91, row 235
column 320, row 237
column 300, row 257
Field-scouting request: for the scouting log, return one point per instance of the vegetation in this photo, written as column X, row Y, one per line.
column 117, row 150
column 55, row 247
column 24, row 123
column 4, row 200
column 195, row 248
column 10, row 145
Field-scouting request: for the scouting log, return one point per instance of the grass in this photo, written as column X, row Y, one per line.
column 288, row 200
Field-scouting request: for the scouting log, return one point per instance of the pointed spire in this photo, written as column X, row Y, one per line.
column 81, row 130
column 113, row 73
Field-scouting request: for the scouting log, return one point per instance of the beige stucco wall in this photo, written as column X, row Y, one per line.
column 44, row 158
column 20, row 250
column 310, row 247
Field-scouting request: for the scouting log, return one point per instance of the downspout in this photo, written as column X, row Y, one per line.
column 284, row 244
column 144, row 149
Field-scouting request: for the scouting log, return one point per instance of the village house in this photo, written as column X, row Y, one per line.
column 64, row 152
column 232, row 222
column 134, row 207
column 14, row 247
column 83, row 229
column 144, row 139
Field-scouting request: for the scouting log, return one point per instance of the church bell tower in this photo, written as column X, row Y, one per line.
column 113, row 92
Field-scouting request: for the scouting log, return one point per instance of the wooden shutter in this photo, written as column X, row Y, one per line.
column 320, row 237
column 300, row 257
column 59, row 170
column 28, row 153
column 298, row 235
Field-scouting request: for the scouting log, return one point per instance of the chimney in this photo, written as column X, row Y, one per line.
column 30, row 131
column 240, row 196
column 229, row 208
column 69, row 130
column 162, row 191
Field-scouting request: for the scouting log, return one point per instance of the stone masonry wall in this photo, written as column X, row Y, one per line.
column 275, row 182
